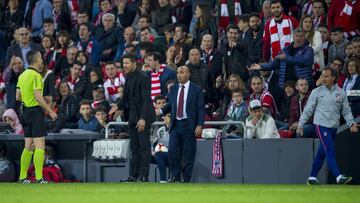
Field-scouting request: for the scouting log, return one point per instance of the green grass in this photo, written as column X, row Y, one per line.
column 172, row 193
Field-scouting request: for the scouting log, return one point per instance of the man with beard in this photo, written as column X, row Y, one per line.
column 278, row 31
column 253, row 39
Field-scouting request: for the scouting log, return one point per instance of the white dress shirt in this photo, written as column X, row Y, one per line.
column 186, row 90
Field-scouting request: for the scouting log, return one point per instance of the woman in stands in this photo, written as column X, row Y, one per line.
column 205, row 24
column 352, row 85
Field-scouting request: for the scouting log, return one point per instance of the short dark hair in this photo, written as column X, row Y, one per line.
column 145, row 28
column 82, row 11
column 130, row 56
column 244, row 17
column 237, row 90
column 84, row 102
column 169, row 28
column 289, row 83
column 147, row 16
column 232, row 26
column 337, row 29
column 183, row 27
column 256, row 76
column 31, row 56
column 159, row 97
column 48, row 20
column 76, row 62
column 254, row 14
column 275, row 2
column 157, row 56
column 147, row 46
column 86, row 25
column 110, row 63
column 322, row 25
column 337, row 58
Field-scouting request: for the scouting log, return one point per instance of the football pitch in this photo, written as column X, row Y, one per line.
column 171, row 193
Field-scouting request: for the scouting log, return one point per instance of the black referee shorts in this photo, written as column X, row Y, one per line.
column 34, row 122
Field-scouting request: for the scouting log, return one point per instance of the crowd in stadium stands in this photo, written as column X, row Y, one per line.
column 238, row 51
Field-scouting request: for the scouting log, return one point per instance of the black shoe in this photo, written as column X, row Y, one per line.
column 24, row 181
column 174, row 180
column 130, row 179
column 345, row 180
column 42, row 181
column 143, row 179
column 313, row 182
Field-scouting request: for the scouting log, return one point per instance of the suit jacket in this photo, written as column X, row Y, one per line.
column 195, row 106
column 137, row 90
column 15, row 50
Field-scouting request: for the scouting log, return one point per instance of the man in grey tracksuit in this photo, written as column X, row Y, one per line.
column 327, row 102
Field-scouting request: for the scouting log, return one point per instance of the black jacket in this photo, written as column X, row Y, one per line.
column 136, row 101
column 201, row 76
column 126, row 19
column 15, row 50
column 254, row 46
column 109, row 40
column 210, row 29
column 235, row 60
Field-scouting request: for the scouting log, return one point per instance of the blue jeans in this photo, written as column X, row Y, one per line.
column 162, row 161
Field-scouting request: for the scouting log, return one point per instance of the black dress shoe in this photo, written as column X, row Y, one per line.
column 174, row 180
column 130, row 179
column 142, row 179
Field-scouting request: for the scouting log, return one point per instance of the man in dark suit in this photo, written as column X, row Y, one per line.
column 187, row 107
column 22, row 48
column 140, row 114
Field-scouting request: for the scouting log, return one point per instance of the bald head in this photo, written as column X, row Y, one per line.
column 183, row 74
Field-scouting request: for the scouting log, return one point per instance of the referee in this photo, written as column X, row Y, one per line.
column 29, row 91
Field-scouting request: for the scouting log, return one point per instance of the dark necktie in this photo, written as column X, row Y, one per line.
column 180, row 109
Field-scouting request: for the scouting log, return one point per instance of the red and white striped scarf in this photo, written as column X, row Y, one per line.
column 71, row 82
column 54, row 57
column 155, row 81
column 280, row 39
column 345, row 14
column 224, row 20
column 318, row 21
column 74, row 8
column 89, row 47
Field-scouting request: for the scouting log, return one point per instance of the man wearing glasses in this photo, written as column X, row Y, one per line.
column 22, row 47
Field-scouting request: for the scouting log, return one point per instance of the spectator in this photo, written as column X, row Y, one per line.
column 129, row 37
column 298, row 103
column 282, row 121
column 356, row 46
column 266, row 14
column 146, row 7
column 101, row 116
column 105, row 6
column 10, row 76
column 159, row 74
column 114, row 80
column 318, row 11
column 314, row 39
column 62, row 15
column 62, row 43
column 236, row 111
column 253, row 39
column 76, row 82
column 258, row 92
column 259, row 124
column 210, row 56
column 35, row 13
column 88, row 44
column 170, row 57
column 338, row 65
column 12, row 119
column 160, row 148
column 22, row 48
column 47, row 44
column 98, row 98
column 83, row 59
column 243, row 24
column 352, row 85
column 235, row 54
column 325, row 41
column 63, row 65
column 12, row 17
column 345, row 14
column 145, row 22
column 68, row 108
column 124, row 13
column 337, row 49
column 294, row 62
column 7, row 169
column 87, row 121
column 81, row 17
column 109, row 36
column 169, row 32
column 161, row 16
column 278, row 31
column 160, row 102
column 49, row 84
column 205, row 25
column 74, row 8
column 181, row 12
column 201, row 76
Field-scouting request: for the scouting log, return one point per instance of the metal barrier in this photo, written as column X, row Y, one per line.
column 162, row 123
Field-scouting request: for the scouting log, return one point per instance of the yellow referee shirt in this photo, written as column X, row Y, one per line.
column 29, row 81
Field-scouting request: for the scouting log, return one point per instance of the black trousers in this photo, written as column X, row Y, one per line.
column 140, row 151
